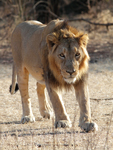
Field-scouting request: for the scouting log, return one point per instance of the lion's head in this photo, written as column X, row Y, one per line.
column 67, row 56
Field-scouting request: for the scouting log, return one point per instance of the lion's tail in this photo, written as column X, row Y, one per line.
column 14, row 87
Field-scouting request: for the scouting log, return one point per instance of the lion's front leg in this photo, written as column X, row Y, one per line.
column 82, row 96
column 61, row 118
column 22, row 77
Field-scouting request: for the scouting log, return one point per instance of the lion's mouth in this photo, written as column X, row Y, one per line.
column 70, row 80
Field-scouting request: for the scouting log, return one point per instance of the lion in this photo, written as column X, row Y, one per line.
column 55, row 55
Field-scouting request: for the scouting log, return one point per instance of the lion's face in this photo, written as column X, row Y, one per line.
column 66, row 56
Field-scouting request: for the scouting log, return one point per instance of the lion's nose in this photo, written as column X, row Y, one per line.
column 70, row 72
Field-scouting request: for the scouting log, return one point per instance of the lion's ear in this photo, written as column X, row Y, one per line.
column 51, row 40
column 83, row 40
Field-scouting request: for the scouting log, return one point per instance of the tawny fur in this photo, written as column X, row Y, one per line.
column 55, row 55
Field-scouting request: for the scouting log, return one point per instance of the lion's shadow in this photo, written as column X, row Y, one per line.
column 29, row 132
column 11, row 122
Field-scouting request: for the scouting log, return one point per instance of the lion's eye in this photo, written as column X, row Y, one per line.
column 52, row 44
column 77, row 55
column 62, row 55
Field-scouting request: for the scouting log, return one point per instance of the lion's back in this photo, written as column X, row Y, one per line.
column 24, row 39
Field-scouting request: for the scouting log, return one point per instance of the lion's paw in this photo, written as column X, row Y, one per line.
column 62, row 124
column 27, row 119
column 47, row 114
column 88, row 127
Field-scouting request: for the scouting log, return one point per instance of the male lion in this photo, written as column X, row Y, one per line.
column 55, row 55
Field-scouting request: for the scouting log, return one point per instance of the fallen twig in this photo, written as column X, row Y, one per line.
column 97, row 99
column 93, row 23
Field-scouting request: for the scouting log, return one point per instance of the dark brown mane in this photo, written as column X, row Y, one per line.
column 63, row 25
column 68, row 32
column 64, row 31
column 55, row 83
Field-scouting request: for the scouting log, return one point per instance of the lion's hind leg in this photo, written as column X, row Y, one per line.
column 22, row 77
column 44, row 107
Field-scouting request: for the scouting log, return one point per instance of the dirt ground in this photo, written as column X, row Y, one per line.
column 41, row 134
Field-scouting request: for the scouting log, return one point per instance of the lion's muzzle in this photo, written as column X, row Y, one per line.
column 71, row 72
column 69, row 76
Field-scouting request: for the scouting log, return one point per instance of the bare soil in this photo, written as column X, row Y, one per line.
column 41, row 134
